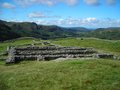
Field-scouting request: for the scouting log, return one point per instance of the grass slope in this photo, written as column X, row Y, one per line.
column 112, row 46
column 76, row 74
column 17, row 42
column 65, row 75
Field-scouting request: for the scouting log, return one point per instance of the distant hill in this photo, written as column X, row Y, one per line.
column 11, row 30
column 6, row 33
column 78, row 29
column 106, row 33
column 30, row 29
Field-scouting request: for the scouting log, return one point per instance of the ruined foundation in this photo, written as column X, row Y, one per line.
column 50, row 53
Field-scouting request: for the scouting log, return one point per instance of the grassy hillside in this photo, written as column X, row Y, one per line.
column 106, row 33
column 31, row 29
column 16, row 42
column 112, row 46
column 6, row 33
column 12, row 30
column 65, row 75
column 73, row 74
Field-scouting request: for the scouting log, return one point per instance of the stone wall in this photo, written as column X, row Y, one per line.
column 49, row 53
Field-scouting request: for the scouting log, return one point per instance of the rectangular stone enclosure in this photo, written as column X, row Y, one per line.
column 50, row 53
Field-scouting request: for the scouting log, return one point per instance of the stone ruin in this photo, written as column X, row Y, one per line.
column 17, row 54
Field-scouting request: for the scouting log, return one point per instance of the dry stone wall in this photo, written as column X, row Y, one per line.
column 50, row 53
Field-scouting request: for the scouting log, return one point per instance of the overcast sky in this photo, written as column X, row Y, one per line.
column 66, row 13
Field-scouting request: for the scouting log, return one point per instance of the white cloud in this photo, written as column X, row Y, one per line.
column 7, row 5
column 82, row 22
column 68, row 2
column 71, row 2
column 36, row 15
column 41, row 15
column 90, row 20
column 46, row 2
column 92, row 2
column 78, row 22
column 111, row 2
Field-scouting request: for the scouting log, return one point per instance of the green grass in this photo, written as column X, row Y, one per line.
column 66, row 75
column 76, row 74
column 111, row 46
column 17, row 42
